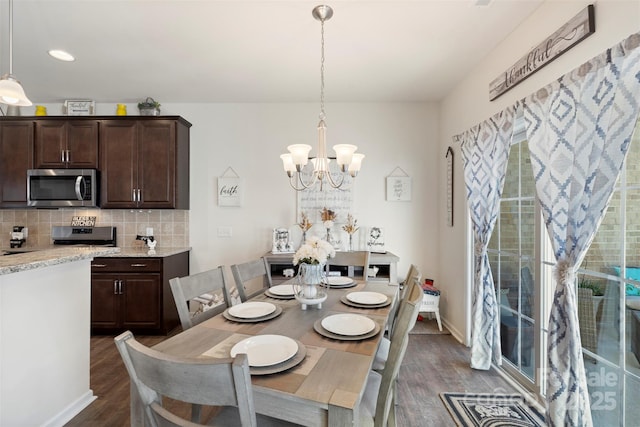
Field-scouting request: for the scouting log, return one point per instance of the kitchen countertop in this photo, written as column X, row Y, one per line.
column 48, row 257
column 144, row 252
column 29, row 258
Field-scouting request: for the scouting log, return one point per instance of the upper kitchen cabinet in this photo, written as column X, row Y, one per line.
column 65, row 143
column 144, row 163
column 16, row 156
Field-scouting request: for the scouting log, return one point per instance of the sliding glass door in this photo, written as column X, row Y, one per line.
column 607, row 289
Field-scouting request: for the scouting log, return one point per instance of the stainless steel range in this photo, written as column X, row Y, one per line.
column 83, row 236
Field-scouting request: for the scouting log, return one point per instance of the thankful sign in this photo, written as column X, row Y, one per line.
column 574, row 31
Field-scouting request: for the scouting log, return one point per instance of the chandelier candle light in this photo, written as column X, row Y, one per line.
column 312, row 257
column 348, row 160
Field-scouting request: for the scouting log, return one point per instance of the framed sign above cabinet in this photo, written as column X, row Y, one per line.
column 79, row 107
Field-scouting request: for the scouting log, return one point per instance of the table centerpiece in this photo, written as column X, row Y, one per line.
column 309, row 284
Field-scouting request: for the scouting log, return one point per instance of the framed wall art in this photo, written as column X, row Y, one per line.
column 398, row 186
column 230, row 188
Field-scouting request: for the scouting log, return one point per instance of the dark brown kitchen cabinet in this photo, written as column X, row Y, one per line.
column 66, row 144
column 144, row 163
column 131, row 293
column 16, row 156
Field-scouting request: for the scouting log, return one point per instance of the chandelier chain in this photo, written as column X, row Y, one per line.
column 322, row 115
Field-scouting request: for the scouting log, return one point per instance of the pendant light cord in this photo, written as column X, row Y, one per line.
column 10, row 37
column 322, row 115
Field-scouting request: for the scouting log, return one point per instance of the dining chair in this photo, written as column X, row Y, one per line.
column 382, row 354
column 199, row 381
column 252, row 278
column 377, row 407
column 350, row 260
column 204, row 288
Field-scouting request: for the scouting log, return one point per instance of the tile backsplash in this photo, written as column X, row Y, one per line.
column 170, row 227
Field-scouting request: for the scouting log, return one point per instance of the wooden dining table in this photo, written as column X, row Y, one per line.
column 326, row 388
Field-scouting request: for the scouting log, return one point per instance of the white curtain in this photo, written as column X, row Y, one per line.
column 485, row 152
column 579, row 129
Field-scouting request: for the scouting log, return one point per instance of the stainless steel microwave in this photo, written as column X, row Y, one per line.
column 59, row 188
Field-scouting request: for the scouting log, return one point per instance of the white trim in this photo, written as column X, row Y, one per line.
column 71, row 411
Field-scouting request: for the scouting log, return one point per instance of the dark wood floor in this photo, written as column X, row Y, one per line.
column 433, row 364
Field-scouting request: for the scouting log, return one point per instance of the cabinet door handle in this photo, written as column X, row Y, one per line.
column 133, row 195
column 119, row 287
column 139, row 198
column 98, row 265
column 138, row 265
column 115, row 287
column 62, row 155
column 68, row 156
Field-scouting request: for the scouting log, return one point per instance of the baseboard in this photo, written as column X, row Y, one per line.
column 527, row 394
column 71, row 411
column 454, row 332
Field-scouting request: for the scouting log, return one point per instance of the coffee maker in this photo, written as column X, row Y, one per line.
column 18, row 236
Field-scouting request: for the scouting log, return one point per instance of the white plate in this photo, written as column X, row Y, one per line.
column 282, row 290
column 252, row 309
column 371, row 298
column 339, row 280
column 348, row 324
column 266, row 350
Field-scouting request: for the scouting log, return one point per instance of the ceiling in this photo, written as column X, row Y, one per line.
column 185, row 51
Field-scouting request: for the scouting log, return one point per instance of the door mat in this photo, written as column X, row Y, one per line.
column 491, row 410
column 428, row 327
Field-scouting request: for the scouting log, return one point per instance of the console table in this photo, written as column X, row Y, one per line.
column 387, row 264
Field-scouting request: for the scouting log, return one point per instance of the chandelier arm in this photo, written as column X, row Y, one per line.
column 297, row 176
column 332, row 182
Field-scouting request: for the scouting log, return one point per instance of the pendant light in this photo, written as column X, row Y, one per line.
column 11, row 92
column 298, row 156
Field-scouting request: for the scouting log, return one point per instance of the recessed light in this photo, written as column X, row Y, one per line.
column 61, row 55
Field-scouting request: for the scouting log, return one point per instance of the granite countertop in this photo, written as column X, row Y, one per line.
column 47, row 257
column 29, row 258
column 159, row 252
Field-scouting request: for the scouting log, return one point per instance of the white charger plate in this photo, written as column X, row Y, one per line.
column 339, row 280
column 282, row 290
column 348, row 324
column 266, row 350
column 367, row 298
column 252, row 309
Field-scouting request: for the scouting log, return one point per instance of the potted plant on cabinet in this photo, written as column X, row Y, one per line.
column 149, row 107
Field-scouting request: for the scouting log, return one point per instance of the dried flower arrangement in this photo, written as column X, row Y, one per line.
column 352, row 224
column 328, row 216
column 305, row 224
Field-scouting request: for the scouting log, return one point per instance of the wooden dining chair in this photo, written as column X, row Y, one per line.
column 252, row 278
column 378, row 402
column 382, row 354
column 350, row 260
column 202, row 288
column 199, row 381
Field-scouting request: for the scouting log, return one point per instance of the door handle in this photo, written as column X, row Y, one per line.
column 139, row 198
column 115, row 287
column 119, row 287
column 138, row 265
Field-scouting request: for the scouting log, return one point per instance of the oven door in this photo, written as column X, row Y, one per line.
column 62, row 187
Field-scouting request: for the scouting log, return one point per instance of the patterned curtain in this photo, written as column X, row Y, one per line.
column 579, row 129
column 485, row 151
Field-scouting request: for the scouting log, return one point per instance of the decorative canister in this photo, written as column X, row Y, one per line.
column 309, row 289
column 121, row 110
column 41, row 110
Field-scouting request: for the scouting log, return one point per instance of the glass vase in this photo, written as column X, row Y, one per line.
column 309, row 289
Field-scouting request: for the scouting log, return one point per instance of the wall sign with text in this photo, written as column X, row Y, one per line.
column 230, row 190
column 577, row 29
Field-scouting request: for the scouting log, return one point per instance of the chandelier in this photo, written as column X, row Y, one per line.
column 11, row 92
column 296, row 159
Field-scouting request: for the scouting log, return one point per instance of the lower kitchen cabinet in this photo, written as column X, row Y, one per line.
column 130, row 293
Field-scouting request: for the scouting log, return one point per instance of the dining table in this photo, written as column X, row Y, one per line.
column 327, row 383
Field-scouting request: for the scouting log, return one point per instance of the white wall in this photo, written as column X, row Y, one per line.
column 250, row 138
column 468, row 104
